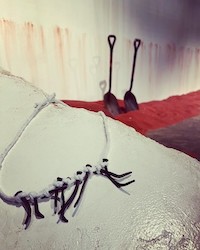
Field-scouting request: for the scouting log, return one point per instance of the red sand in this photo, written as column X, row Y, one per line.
column 154, row 114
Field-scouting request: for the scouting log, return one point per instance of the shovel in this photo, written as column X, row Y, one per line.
column 110, row 101
column 129, row 98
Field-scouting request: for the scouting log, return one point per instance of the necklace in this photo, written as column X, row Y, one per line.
column 56, row 190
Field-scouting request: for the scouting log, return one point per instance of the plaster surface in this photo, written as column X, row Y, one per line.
column 161, row 210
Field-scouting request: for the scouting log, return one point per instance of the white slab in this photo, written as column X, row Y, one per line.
column 161, row 210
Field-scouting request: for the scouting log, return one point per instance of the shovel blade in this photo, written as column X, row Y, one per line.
column 130, row 102
column 111, row 104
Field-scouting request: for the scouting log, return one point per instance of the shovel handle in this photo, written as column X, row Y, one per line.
column 136, row 45
column 111, row 42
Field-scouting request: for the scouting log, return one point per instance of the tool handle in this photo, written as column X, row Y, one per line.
column 111, row 41
column 136, row 45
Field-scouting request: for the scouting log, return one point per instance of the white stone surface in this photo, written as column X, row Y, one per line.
column 160, row 212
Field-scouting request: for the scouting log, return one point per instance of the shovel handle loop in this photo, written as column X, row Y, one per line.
column 137, row 43
column 111, row 41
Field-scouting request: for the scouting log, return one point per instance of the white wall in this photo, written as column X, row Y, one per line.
column 61, row 45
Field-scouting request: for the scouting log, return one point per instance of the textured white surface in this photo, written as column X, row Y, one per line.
column 161, row 212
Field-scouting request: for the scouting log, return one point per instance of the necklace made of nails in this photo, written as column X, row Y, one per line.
column 56, row 191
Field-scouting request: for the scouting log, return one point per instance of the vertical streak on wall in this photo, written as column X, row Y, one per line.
column 150, row 63
column 180, row 64
column 156, row 68
column 173, row 58
column 1, row 36
column 43, row 57
column 197, row 64
column 187, row 66
column 31, row 43
column 9, row 35
column 67, row 57
column 83, row 84
column 6, row 35
column 159, row 69
column 190, row 69
column 59, row 47
column 169, row 54
column 42, row 40
column 95, row 65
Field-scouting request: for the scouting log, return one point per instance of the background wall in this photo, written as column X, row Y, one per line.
column 61, row 45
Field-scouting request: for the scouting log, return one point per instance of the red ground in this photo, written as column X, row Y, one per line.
column 154, row 114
